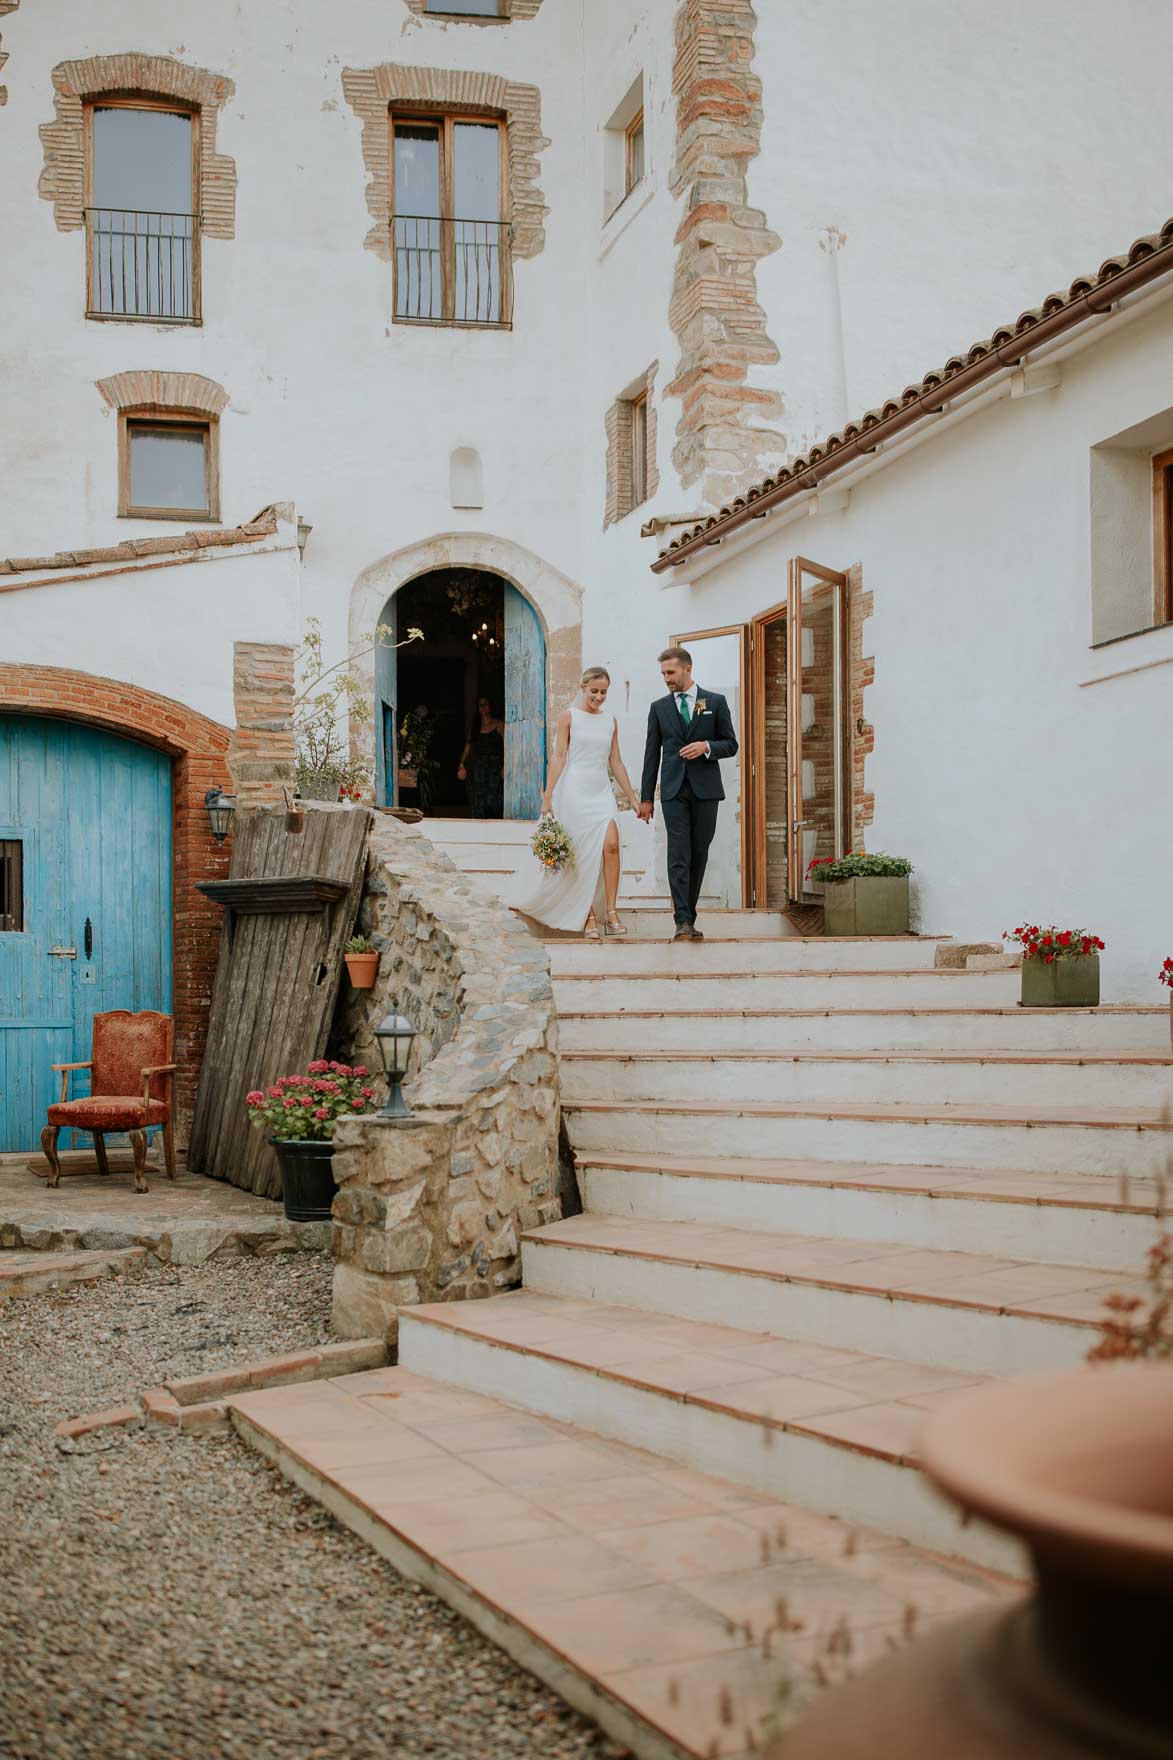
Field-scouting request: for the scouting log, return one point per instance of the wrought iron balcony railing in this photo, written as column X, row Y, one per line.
column 142, row 265
column 452, row 271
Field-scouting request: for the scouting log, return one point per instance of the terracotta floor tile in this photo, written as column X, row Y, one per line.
column 815, row 1591
column 709, row 1706
column 633, row 1628
column 691, row 1547
column 403, row 1482
column 881, row 1378
column 936, row 1587
column 1023, row 1283
column 1084, row 1306
column 424, row 1411
column 717, row 1493
column 783, row 1356
column 473, row 1436
column 685, row 1372
column 560, row 1572
column 552, row 1463
column 886, row 1429
column 805, row 1533
column 699, row 1335
column 628, row 1500
column 462, row 1524
column 346, row 1445
column 914, row 1270
column 783, row 1397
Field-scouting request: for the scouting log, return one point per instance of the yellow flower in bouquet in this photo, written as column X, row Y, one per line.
column 552, row 846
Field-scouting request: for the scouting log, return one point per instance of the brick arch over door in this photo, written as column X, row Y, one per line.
column 556, row 599
column 197, row 748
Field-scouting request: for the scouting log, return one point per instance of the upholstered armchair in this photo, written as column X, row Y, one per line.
column 130, row 1088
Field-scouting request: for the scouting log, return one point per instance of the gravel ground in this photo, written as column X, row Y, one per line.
column 173, row 1598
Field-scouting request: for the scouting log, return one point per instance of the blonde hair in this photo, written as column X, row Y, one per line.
column 593, row 672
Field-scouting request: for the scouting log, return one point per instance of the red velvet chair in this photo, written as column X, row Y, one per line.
column 131, row 1052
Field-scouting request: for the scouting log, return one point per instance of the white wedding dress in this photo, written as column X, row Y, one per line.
column 584, row 804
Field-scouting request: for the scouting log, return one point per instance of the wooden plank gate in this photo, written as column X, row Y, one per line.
column 276, row 984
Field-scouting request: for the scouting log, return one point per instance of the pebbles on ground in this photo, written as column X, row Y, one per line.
column 173, row 1598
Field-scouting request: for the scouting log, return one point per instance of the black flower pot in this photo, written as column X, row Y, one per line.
column 307, row 1178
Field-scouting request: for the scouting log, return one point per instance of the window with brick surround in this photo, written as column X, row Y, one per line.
column 632, row 477
column 451, row 239
column 467, row 8
column 168, row 466
column 142, row 211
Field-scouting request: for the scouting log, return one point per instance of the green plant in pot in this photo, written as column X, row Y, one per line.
column 362, row 962
column 862, row 894
column 333, row 704
column 1060, row 967
column 299, row 1113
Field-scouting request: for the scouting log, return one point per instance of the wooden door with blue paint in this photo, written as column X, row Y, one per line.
column 525, row 707
column 85, row 831
column 386, row 696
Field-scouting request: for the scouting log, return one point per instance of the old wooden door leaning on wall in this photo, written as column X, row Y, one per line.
column 85, row 902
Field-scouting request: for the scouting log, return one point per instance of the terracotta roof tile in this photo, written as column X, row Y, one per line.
column 796, row 468
column 131, row 549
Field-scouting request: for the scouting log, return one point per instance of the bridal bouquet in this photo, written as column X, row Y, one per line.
column 552, row 846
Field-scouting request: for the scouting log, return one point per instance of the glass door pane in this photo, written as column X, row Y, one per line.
column 476, row 195
column 817, row 755
column 717, row 665
column 142, row 228
column 418, row 275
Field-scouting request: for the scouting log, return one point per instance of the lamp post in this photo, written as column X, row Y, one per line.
column 395, row 1036
column 220, row 807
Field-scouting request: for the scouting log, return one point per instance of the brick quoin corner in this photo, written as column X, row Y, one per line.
column 197, row 748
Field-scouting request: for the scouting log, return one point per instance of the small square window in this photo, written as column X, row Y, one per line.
column 168, row 470
column 11, row 885
column 635, row 152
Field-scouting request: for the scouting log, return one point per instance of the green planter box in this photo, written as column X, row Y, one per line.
column 1065, row 983
column 876, row 905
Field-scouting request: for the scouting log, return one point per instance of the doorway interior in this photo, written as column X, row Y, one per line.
column 481, row 639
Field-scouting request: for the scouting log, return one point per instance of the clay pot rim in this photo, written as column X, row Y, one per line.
column 991, row 1448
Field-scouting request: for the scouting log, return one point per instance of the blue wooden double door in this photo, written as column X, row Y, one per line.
column 85, row 902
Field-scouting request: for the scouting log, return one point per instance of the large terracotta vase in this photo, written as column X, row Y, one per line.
column 1081, row 1467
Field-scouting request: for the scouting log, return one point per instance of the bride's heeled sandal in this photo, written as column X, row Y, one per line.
column 591, row 932
column 614, row 925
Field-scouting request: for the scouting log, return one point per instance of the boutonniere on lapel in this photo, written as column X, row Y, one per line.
column 701, row 706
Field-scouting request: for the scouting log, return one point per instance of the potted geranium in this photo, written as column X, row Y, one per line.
column 1060, row 967
column 863, row 895
column 1165, row 976
column 300, row 1112
column 362, row 962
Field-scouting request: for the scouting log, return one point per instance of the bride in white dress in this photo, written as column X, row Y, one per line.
column 579, row 794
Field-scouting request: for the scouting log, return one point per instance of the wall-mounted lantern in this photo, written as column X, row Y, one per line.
column 220, row 807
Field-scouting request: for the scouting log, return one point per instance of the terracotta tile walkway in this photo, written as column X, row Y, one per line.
column 660, row 1589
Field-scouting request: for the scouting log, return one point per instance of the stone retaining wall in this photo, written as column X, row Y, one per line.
column 431, row 1210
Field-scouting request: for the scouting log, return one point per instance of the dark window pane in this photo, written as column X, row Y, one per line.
column 142, row 229
column 168, row 468
column 635, row 155
column 417, row 168
column 477, row 195
column 477, row 171
column 11, row 885
column 142, row 160
column 465, row 8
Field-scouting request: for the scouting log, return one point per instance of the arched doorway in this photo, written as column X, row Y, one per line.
column 482, row 639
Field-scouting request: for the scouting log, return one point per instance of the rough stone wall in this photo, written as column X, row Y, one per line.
column 861, row 673
column 260, row 754
column 619, row 460
column 62, row 181
column 372, row 91
column 432, row 1210
column 725, row 439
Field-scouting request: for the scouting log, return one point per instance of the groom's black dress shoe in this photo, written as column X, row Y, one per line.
column 696, row 933
column 683, row 932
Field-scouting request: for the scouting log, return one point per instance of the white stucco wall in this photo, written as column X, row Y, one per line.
column 1022, row 771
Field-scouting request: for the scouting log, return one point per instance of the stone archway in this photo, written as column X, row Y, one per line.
column 198, row 749
column 556, row 599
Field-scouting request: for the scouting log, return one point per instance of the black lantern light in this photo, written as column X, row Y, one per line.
column 220, row 807
column 395, row 1035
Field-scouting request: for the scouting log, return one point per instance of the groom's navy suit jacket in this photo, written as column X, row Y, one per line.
column 667, row 733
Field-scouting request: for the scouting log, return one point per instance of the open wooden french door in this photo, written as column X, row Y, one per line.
column 721, row 662
column 798, row 800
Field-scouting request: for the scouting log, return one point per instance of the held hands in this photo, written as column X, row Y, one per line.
column 695, row 749
column 645, row 809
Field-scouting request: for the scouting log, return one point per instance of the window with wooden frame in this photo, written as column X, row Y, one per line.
column 639, row 449
column 1163, row 537
column 168, row 466
column 634, row 152
column 449, row 184
column 142, row 210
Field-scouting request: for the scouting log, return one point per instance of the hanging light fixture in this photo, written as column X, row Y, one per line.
column 395, row 1036
column 220, row 807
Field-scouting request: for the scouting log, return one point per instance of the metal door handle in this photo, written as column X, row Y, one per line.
column 63, row 953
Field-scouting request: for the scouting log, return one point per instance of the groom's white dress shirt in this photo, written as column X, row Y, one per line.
column 689, row 696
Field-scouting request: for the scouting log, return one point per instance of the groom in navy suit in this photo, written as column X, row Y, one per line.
column 689, row 732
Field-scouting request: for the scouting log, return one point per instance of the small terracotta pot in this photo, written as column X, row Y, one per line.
column 362, row 968
column 1077, row 1465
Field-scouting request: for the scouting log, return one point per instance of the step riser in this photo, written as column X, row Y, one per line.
column 1057, row 1149
column 660, row 924
column 934, row 1335
column 804, row 1470
column 1022, row 1030
column 576, row 1688
column 795, row 990
column 885, row 1084
column 780, row 954
column 1048, row 1235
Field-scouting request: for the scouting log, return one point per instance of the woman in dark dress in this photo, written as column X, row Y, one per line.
column 482, row 762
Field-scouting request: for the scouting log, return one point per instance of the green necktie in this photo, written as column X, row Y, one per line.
column 685, row 712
